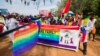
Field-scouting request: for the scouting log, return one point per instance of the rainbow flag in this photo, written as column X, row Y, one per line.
column 84, row 30
column 25, row 39
column 58, row 36
column 84, row 35
column 52, row 32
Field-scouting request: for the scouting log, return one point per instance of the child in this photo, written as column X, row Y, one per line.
column 93, row 30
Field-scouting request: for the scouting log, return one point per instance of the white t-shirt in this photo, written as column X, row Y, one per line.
column 11, row 23
column 92, row 23
column 88, row 26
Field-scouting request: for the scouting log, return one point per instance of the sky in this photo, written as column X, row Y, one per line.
column 19, row 7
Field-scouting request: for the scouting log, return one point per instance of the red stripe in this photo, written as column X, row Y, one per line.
column 61, row 27
column 83, row 37
column 31, row 27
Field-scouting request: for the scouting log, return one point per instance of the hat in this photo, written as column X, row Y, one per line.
column 69, row 15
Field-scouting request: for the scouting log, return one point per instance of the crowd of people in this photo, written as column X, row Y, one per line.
column 84, row 21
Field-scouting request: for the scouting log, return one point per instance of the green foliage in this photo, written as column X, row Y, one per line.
column 80, row 5
column 96, row 7
column 98, row 26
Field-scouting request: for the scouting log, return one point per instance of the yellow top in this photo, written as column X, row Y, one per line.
column 86, row 21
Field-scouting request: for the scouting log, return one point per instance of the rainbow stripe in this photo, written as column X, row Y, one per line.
column 46, row 29
column 49, row 31
column 25, row 39
column 51, row 35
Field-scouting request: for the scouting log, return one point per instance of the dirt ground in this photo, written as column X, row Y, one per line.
column 41, row 50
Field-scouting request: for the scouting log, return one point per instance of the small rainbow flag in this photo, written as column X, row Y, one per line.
column 84, row 30
column 25, row 39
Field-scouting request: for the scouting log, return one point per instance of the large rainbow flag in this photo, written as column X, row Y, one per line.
column 25, row 39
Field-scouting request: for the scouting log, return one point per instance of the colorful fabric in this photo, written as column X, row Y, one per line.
column 66, row 37
column 83, row 34
column 86, row 27
column 25, row 38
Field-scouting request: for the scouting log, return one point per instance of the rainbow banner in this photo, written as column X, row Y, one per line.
column 25, row 39
column 66, row 37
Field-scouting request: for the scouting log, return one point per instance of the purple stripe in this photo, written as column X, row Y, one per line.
column 21, row 51
column 55, row 43
column 25, row 49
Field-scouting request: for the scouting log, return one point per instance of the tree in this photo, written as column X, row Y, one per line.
column 96, row 7
column 91, row 6
column 80, row 5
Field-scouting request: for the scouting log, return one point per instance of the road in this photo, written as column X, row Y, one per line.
column 41, row 50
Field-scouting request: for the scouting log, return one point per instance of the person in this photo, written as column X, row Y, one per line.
column 44, row 21
column 52, row 21
column 93, row 31
column 26, row 19
column 64, row 20
column 2, row 23
column 85, row 28
column 59, row 21
column 76, row 19
column 70, row 20
column 11, row 23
